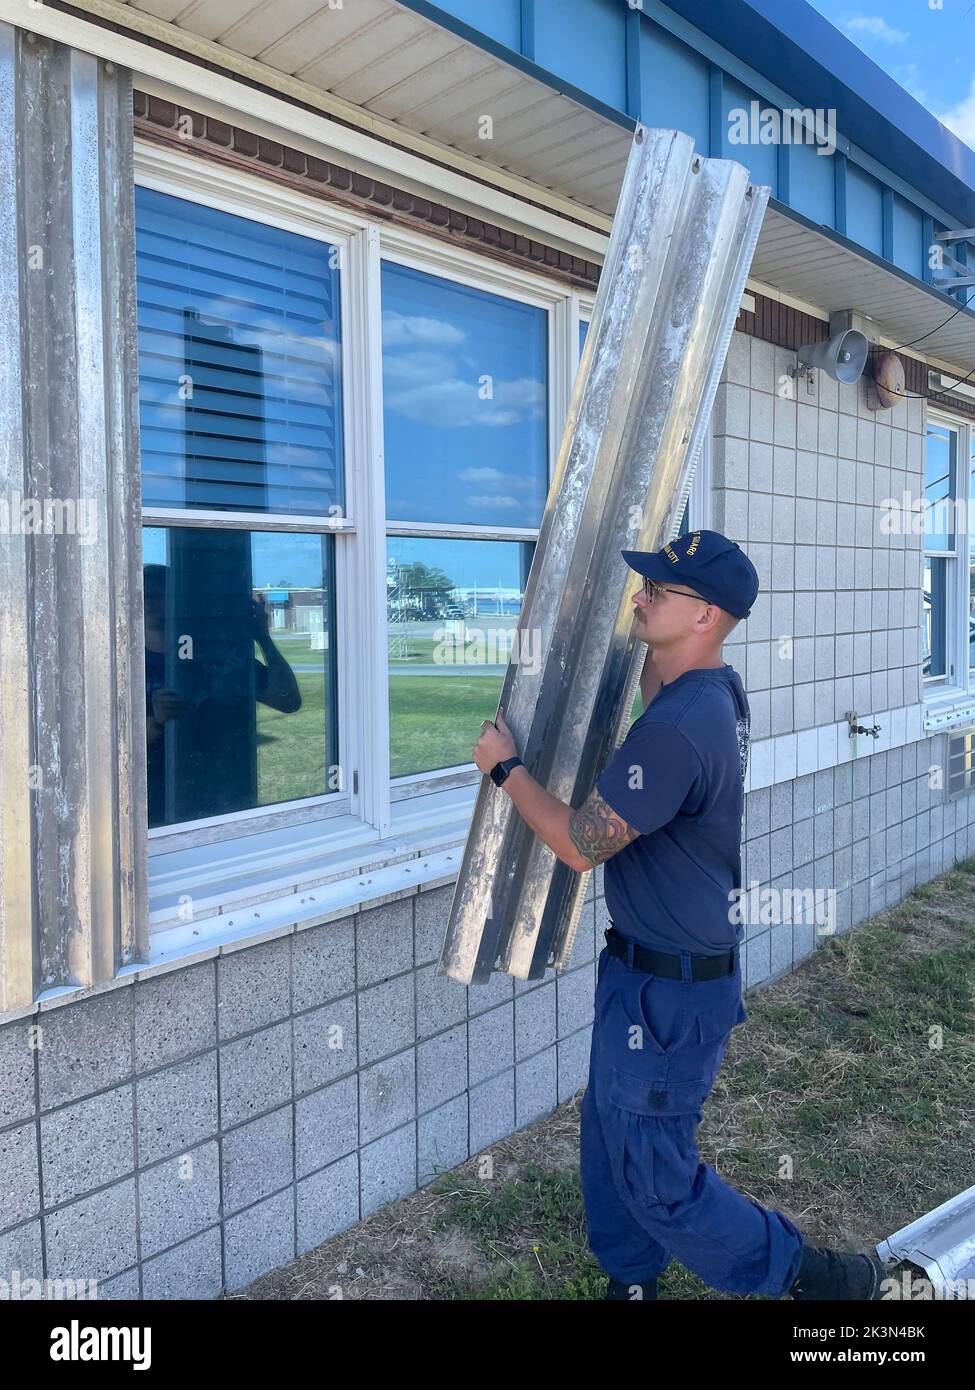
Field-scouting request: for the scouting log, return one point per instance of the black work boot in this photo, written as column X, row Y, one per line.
column 828, row 1274
column 619, row 1292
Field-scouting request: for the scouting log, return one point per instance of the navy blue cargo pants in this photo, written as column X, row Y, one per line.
column 657, row 1045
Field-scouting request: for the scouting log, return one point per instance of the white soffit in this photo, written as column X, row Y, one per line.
column 808, row 265
column 379, row 57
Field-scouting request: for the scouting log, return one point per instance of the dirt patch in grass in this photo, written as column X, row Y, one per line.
column 846, row 1101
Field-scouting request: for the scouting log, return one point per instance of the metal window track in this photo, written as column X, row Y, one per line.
column 678, row 257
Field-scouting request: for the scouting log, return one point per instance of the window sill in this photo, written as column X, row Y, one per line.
column 948, row 710
column 266, row 870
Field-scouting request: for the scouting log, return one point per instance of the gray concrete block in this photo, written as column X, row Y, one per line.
column 573, row 1055
column 756, row 960
column 258, row 1158
column 802, row 842
column 175, row 1016
column 431, row 909
column 253, row 987
column 780, row 806
column 441, row 1002
column 326, row 1045
column 326, row 1125
column 19, row 1188
column 87, row 1145
column 536, row 1087
column 123, row 1288
column 387, row 1021
column 179, row 1197
column 17, row 1070
column 499, row 989
column 323, row 963
column 328, row 1203
column 388, row 1169
column 574, row 995
column 177, row 1107
column 86, row 1046
column 492, row 1110
column 441, row 1139
column 387, row 1095
column 93, row 1238
column 259, row 1240
column 192, row 1270
column 780, row 948
column 535, row 1021
column 780, row 851
column 255, row 1073
column 441, row 1068
column 20, row 1253
column 384, row 941
column 491, row 1043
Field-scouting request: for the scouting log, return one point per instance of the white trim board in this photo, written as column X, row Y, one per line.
column 433, row 167
column 787, row 756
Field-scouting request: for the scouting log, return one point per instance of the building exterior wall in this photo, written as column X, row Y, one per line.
column 187, row 1133
column 182, row 1132
column 254, row 1104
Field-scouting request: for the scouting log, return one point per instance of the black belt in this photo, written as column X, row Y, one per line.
column 667, row 965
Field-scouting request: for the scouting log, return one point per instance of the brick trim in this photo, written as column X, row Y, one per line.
column 161, row 122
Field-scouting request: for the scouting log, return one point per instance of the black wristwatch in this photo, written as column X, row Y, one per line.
column 499, row 771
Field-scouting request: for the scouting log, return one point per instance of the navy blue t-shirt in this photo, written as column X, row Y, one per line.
column 678, row 777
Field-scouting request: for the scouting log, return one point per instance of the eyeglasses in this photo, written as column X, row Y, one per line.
column 651, row 589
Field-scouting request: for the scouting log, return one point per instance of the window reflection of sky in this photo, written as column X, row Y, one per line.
column 465, row 403
column 278, row 559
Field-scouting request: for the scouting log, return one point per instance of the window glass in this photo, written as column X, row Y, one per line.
column 240, row 670
column 934, row 623
column 465, row 403
column 453, row 609
column 939, row 487
column 239, row 370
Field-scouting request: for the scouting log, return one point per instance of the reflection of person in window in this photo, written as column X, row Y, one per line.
column 274, row 683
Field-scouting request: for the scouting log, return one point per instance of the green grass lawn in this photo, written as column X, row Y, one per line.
column 434, row 722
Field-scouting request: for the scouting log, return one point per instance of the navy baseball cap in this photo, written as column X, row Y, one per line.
column 707, row 562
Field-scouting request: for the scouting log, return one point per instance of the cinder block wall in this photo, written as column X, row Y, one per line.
column 799, row 484
column 186, row 1133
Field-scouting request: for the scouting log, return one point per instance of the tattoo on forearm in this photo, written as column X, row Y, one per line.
column 597, row 831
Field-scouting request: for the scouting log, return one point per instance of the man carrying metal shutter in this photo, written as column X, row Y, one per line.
column 665, row 816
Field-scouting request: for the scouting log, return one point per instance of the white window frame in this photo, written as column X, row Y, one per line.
column 360, row 534
column 457, row 265
column 227, row 191
column 951, row 698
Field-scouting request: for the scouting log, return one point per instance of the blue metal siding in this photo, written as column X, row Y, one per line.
column 671, row 64
column 908, row 238
column 584, row 42
column 812, row 184
column 674, row 85
column 761, row 161
column 864, row 209
column 499, row 19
